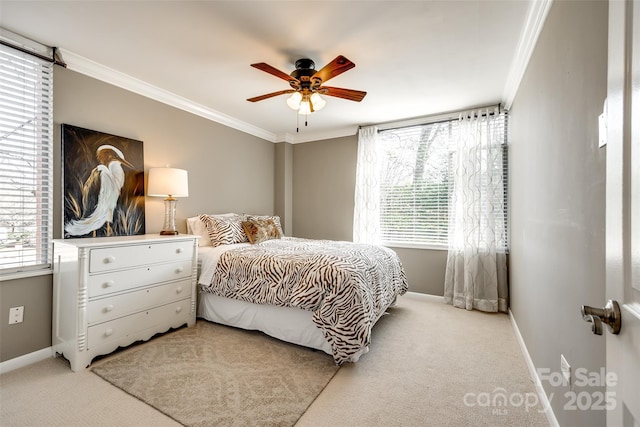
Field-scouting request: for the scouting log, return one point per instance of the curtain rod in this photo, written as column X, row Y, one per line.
column 55, row 57
column 433, row 119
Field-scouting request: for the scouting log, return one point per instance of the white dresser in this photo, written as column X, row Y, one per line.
column 110, row 292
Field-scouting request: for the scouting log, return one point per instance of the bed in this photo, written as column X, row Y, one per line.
column 321, row 294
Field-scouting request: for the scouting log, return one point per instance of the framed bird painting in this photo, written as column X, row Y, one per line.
column 103, row 184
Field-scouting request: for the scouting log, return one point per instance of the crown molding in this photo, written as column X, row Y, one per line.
column 536, row 16
column 103, row 73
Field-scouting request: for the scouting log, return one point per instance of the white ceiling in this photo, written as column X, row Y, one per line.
column 413, row 58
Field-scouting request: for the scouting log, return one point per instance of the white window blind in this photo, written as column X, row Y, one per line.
column 26, row 168
column 417, row 181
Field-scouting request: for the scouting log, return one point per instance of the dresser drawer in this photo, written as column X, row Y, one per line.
column 118, row 330
column 113, row 258
column 104, row 309
column 117, row 281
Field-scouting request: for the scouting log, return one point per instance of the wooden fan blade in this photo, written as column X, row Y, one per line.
column 273, row 71
column 334, row 68
column 350, row 94
column 270, row 95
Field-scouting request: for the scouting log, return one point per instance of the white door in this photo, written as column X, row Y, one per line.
column 623, row 210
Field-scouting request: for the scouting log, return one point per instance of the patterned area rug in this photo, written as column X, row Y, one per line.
column 216, row 375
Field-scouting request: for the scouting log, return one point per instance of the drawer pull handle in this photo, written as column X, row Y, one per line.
column 179, row 269
column 110, row 259
column 179, row 250
column 178, row 289
column 107, row 284
column 108, row 308
column 108, row 332
column 178, row 309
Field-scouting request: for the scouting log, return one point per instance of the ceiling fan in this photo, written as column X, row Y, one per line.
column 306, row 84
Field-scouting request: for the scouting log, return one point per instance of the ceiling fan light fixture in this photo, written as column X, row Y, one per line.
column 305, row 108
column 294, row 100
column 306, row 85
column 317, row 101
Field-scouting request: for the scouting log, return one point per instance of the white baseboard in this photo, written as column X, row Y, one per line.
column 27, row 359
column 544, row 400
column 425, row 297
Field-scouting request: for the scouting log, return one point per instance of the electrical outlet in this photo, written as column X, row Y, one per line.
column 16, row 315
column 566, row 369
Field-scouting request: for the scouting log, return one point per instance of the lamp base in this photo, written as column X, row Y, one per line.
column 169, row 227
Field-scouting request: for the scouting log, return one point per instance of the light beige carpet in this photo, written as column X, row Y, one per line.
column 431, row 364
column 424, row 359
column 212, row 375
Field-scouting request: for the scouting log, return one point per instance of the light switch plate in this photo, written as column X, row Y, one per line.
column 16, row 315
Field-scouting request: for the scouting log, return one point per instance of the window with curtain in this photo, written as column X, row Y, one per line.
column 26, row 168
column 417, row 182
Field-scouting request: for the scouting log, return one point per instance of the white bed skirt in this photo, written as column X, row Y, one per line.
column 285, row 323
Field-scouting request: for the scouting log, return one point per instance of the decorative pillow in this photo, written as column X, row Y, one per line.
column 274, row 218
column 259, row 230
column 196, row 227
column 224, row 231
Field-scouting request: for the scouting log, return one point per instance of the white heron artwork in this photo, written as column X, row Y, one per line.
column 103, row 193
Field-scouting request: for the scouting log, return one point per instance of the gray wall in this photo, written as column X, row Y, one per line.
column 324, row 177
column 557, row 179
column 228, row 171
column 324, row 174
column 34, row 334
column 283, row 183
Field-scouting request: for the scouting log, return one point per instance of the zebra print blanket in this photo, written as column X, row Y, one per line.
column 347, row 286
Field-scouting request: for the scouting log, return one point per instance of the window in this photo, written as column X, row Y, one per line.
column 417, row 180
column 26, row 144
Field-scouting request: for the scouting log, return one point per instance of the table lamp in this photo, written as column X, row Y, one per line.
column 169, row 183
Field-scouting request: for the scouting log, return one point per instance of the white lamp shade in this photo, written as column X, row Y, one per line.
column 305, row 108
column 168, row 182
column 317, row 101
column 294, row 100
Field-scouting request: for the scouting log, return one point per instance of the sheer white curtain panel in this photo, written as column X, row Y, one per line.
column 366, row 215
column 476, row 274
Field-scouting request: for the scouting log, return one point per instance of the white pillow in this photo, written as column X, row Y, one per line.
column 197, row 228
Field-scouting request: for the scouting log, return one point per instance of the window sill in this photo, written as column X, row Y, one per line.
column 431, row 247
column 405, row 245
column 25, row 274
